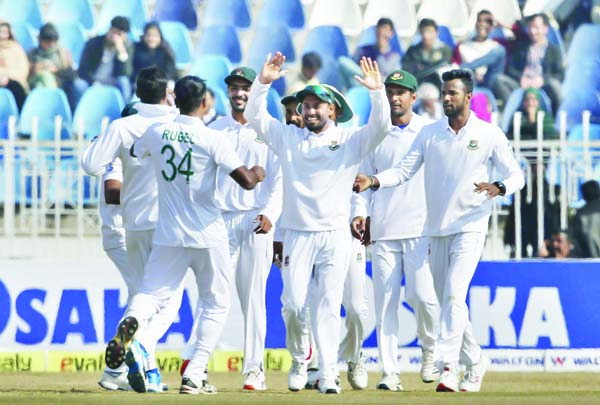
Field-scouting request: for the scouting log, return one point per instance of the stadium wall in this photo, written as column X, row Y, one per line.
column 58, row 314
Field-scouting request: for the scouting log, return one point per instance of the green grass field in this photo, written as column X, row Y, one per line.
column 511, row 388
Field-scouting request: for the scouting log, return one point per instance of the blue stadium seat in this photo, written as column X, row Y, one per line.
column 269, row 39
column 178, row 36
column 60, row 11
column 274, row 104
column 444, row 35
column 183, row 11
column 582, row 76
column 97, row 102
column 576, row 103
column 326, row 40
column 359, row 100
column 45, row 103
column 227, row 12
column 330, row 73
column 8, row 107
column 25, row 35
column 135, row 10
column 212, row 68
column 71, row 36
column 280, row 85
column 289, row 12
column 67, row 191
column 585, row 43
column 220, row 40
column 513, row 104
column 368, row 38
column 222, row 105
column 22, row 11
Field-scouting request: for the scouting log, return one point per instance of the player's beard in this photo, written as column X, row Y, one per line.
column 315, row 127
column 399, row 113
column 238, row 108
column 453, row 111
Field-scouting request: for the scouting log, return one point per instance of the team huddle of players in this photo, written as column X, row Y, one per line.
column 215, row 199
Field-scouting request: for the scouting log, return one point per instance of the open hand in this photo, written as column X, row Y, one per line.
column 492, row 190
column 263, row 224
column 371, row 77
column 272, row 69
column 361, row 183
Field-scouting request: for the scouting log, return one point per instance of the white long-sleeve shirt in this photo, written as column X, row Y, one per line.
column 399, row 212
column 252, row 150
column 139, row 192
column 318, row 169
column 111, row 228
column 453, row 163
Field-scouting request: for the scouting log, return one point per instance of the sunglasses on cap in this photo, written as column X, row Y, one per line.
column 319, row 91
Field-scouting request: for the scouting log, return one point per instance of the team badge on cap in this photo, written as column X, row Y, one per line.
column 473, row 144
column 334, row 146
column 398, row 76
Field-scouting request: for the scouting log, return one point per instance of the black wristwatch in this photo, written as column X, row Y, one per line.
column 373, row 186
column 501, row 187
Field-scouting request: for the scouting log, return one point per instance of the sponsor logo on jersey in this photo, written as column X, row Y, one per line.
column 334, row 146
column 473, row 144
column 359, row 257
column 258, row 139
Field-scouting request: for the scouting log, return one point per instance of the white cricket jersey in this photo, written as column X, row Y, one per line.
column 453, row 163
column 185, row 155
column 113, row 233
column 318, row 169
column 252, row 150
column 138, row 194
column 400, row 212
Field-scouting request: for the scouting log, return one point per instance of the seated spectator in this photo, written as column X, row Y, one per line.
column 428, row 102
column 586, row 224
column 532, row 100
column 107, row 59
column 558, row 247
column 311, row 64
column 211, row 114
column 535, row 63
column 482, row 54
column 153, row 50
column 427, row 59
column 387, row 58
column 14, row 65
column 53, row 66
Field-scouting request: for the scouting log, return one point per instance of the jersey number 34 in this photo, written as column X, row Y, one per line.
column 184, row 167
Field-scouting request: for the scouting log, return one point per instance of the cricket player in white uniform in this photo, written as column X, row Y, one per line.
column 396, row 227
column 185, row 155
column 138, row 200
column 461, row 155
column 318, row 163
column 249, row 217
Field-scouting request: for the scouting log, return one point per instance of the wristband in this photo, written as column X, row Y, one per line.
column 501, row 187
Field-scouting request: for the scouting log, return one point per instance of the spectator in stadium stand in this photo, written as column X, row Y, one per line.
column 530, row 107
column 53, row 66
column 586, row 224
column 311, row 64
column 154, row 50
column 212, row 114
column 482, row 54
column 381, row 51
column 429, row 104
column 14, row 65
column 107, row 59
column 558, row 247
column 534, row 63
column 430, row 57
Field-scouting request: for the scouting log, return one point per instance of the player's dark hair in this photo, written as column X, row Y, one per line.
column 464, row 75
column 385, row 21
column 151, row 85
column 590, row 191
column 543, row 16
column 427, row 22
column 189, row 92
column 484, row 12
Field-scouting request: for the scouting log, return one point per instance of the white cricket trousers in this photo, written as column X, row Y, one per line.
column 355, row 304
column 251, row 255
column 163, row 279
column 453, row 261
column 139, row 247
column 393, row 259
column 329, row 252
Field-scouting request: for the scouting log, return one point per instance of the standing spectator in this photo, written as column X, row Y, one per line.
column 387, row 58
column 154, row 50
column 14, row 65
column 425, row 59
column 53, row 66
column 535, row 63
column 586, row 224
column 530, row 108
column 311, row 64
column 482, row 54
column 107, row 59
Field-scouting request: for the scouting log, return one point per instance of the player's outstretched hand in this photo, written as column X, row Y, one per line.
column 260, row 172
column 263, row 224
column 492, row 190
column 361, row 183
column 272, row 69
column 371, row 77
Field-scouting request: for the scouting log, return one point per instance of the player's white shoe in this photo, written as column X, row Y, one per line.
column 297, row 376
column 329, row 385
column 448, row 381
column 390, row 382
column 473, row 377
column 189, row 386
column 136, row 360
column 312, row 379
column 429, row 371
column 357, row 375
column 255, row 381
column 114, row 380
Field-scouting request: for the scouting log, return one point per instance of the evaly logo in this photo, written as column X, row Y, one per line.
column 258, row 139
column 334, row 146
column 560, row 361
column 473, row 144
